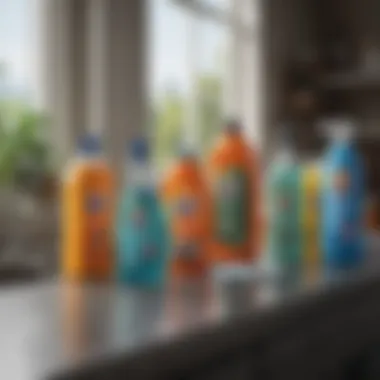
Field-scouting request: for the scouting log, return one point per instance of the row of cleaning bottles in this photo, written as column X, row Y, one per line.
column 316, row 210
column 201, row 215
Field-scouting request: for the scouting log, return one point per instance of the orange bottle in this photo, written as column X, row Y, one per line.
column 187, row 201
column 87, row 215
column 235, row 188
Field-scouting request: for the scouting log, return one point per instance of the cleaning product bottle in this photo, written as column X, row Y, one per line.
column 233, row 171
column 342, row 200
column 311, row 217
column 188, row 202
column 284, row 210
column 87, row 214
column 142, row 236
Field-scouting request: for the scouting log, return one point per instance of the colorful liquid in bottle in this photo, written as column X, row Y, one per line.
column 343, row 203
column 87, row 214
column 142, row 236
column 188, row 203
column 235, row 184
column 311, row 217
column 284, row 219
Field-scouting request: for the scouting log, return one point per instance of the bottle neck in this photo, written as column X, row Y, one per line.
column 341, row 133
column 286, row 154
column 233, row 134
column 83, row 157
column 286, row 158
column 140, row 174
column 342, row 140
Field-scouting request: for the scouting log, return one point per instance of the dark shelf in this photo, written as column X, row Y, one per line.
column 351, row 80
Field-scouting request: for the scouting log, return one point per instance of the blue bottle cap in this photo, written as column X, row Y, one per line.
column 89, row 145
column 139, row 149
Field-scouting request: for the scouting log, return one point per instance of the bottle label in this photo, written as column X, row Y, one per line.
column 144, row 245
column 341, row 182
column 232, row 206
column 186, row 207
column 138, row 219
column 188, row 251
column 185, row 217
column 96, row 229
column 285, row 207
column 312, row 206
column 94, row 204
column 285, row 219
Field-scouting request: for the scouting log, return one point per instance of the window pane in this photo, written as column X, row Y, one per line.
column 26, row 156
column 18, row 41
column 27, row 177
column 211, row 82
column 188, row 72
column 169, row 79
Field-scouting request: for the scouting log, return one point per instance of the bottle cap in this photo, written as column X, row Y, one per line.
column 339, row 129
column 89, row 145
column 139, row 149
column 233, row 125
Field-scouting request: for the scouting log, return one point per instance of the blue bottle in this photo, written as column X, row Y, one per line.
column 342, row 201
column 142, row 233
column 284, row 211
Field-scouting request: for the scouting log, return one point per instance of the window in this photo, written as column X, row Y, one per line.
column 24, row 152
column 202, row 59
column 19, row 72
column 27, row 180
column 169, row 77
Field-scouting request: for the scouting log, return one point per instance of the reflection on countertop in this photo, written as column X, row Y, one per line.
column 58, row 325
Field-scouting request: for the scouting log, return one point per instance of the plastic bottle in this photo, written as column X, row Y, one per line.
column 234, row 176
column 311, row 217
column 87, row 214
column 188, row 202
column 342, row 200
column 284, row 206
column 142, row 236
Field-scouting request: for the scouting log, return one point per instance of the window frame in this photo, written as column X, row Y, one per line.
column 241, row 96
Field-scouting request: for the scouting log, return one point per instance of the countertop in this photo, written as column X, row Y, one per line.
column 53, row 328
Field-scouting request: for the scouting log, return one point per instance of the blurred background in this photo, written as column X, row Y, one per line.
column 173, row 69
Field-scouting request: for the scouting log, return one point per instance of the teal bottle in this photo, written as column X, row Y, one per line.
column 141, row 231
column 284, row 211
column 342, row 201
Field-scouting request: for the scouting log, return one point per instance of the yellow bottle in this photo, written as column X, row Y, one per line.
column 311, row 210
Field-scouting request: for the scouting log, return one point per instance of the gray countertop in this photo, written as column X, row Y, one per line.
column 51, row 327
